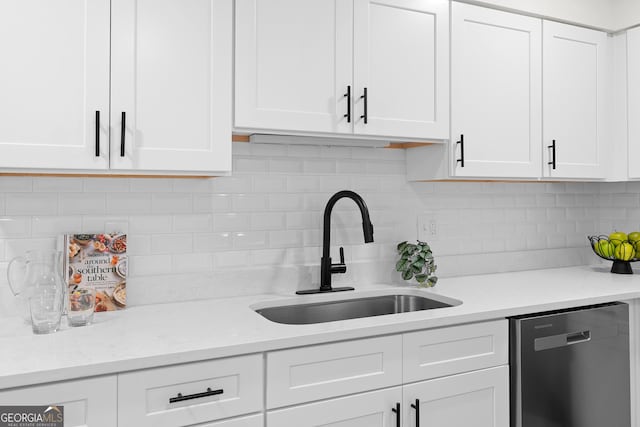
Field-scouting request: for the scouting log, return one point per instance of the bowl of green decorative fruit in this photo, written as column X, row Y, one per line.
column 619, row 247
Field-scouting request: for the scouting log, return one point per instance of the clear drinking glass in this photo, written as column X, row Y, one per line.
column 45, row 306
column 82, row 303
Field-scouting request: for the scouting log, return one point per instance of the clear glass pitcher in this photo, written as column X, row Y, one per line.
column 36, row 279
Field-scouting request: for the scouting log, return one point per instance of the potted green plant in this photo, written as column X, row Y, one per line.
column 416, row 260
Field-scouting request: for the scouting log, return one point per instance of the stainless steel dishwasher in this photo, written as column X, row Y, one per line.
column 571, row 368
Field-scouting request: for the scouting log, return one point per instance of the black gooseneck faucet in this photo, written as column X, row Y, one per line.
column 326, row 267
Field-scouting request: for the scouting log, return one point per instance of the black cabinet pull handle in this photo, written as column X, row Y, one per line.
column 416, row 406
column 365, row 116
column 553, row 154
column 461, row 159
column 97, row 133
column 123, row 128
column 397, row 411
column 209, row 392
column 348, row 96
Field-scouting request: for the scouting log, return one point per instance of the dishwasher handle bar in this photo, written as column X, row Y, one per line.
column 561, row 340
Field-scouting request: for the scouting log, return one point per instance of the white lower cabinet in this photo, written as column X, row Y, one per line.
column 191, row 393
column 478, row 399
column 87, row 402
column 373, row 409
column 454, row 377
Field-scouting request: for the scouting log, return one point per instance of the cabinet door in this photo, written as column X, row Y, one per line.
column 478, row 399
column 171, row 85
column 575, row 75
column 54, row 77
column 87, row 402
column 496, row 93
column 293, row 64
column 401, row 50
column 372, row 409
column 633, row 100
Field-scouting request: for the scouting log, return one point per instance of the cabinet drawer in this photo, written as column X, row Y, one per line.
column 87, row 402
column 251, row 421
column 144, row 396
column 372, row 409
column 439, row 352
column 329, row 370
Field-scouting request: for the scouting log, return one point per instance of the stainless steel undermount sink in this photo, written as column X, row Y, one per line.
column 352, row 308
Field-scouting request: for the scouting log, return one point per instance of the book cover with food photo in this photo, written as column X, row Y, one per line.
column 98, row 261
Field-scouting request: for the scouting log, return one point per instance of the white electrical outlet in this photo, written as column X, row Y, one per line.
column 427, row 227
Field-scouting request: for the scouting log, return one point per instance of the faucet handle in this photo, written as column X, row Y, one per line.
column 341, row 267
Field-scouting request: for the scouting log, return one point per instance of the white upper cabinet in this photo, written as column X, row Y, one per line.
column 54, row 81
column 401, row 60
column 304, row 67
column 575, row 78
column 633, row 100
column 293, row 64
column 496, row 93
column 171, row 85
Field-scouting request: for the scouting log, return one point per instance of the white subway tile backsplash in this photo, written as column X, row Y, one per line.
column 106, row 185
column 56, row 225
column 82, row 203
column 231, row 184
column 14, row 184
column 145, row 224
column 171, row 243
column 212, row 242
column 149, row 265
column 268, row 218
column 153, row 185
column 248, row 202
column 250, row 165
column 128, row 203
column 249, row 239
column 231, row 259
column 270, row 184
column 196, row 223
column 285, row 239
column 286, row 202
column 205, row 203
column 57, row 185
column 268, row 221
column 318, row 166
column 15, row 226
column 172, row 203
column 303, row 184
column 31, row 204
column 354, row 167
column 285, row 166
column 192, row 263
column 17, row 247
column 231, row 222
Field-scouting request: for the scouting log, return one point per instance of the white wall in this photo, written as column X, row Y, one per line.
column 610, row 15
column 260, row 230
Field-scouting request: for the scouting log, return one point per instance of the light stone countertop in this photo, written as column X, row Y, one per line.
column 155, row 335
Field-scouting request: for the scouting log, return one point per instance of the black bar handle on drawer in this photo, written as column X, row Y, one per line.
column 416, row 406
column 348, row 96
column 461, row 159
column 397, row 411
column 553, row 154
column 123, row 128
column 97, row 133
column 365, row 116
column 181, row 398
